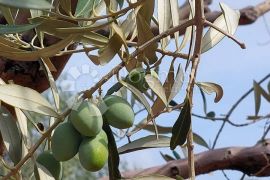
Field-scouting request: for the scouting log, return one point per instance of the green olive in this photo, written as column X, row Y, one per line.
column 119, row 113
column 65, row 142
column 87, row 119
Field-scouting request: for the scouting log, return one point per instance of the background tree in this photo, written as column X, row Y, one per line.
column 101, row 30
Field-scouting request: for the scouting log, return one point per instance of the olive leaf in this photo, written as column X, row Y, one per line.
column 27, row 4
column 209, row 88
column 258, row 92
column 41, row 173
column 85, row 7
column 156, row 86
column 7, row 13
column 145, row 143
column 10, row 29
column 182, row 126
column 27, row 99
column 144, row 35
column 166, row 157
column 139, row 95
column 11, row 135
column 227, row 21
column 114, row 160
column 21, row 55
column 164, row 19
column 178, row 83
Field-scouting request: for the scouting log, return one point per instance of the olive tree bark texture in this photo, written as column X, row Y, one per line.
column 253, row 161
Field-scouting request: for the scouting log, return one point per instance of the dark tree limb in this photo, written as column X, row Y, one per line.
column 253, row 161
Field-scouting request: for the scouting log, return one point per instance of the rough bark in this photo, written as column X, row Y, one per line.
column 253, row 161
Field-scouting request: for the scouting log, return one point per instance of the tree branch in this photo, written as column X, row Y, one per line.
column 253, row 161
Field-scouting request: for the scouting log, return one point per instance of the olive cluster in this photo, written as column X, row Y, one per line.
column 82, row 133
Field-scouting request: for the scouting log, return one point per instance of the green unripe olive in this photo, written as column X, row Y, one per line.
column 136, row 78
column 103, row 136
column 47, row 160
column 87, row 119
column 119, row 113
column 93, row 153
column 65, row 142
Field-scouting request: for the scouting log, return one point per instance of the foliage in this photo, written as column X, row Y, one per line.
column 78, row 28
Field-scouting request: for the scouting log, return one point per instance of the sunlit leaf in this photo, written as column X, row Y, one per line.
column 164, row 19
column 11, row 135
column 156, row 86
column 209, row 88
column 144, row 35
column 182, row 126
column 27, row 4
column 26, row 98
column 6, row 12
column 22, row 122
column 21, row 55
column 178, row 83
column 187, row 35
column 43, row 173
column 228, row 22
column 145, row 143
column 85, row 7
column 138, row 94
column 111, row 49
column 175, row 18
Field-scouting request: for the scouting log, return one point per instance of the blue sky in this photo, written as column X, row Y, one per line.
column 226, row 64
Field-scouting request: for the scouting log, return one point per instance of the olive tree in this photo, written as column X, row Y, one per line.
column 38, row 38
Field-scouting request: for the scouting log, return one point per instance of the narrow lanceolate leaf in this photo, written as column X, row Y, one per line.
column 52, row 84
column 114, row 160
column 144, row 35
column 178, row 83
column 209, row 88
column 26, row 98
column 187, row 35
column 116, row 87
column 147, row 9
column 21, row 55
column 112, row 48
column 164, row 19
column 6, row 12
column 156, row 86
column 231, row 16
column 85, row 7
column 10, row 29
column 200, row 141
column 139, row 95
column 258, row 92
column 175, row 18
column 22, row 122
column 27, row 4
column 145, row 143
column 11, row 135
column 228, row 22
column 151, row 177
column 167, row 157
column 41, row 173
column 66, row 6
column 181, row 127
